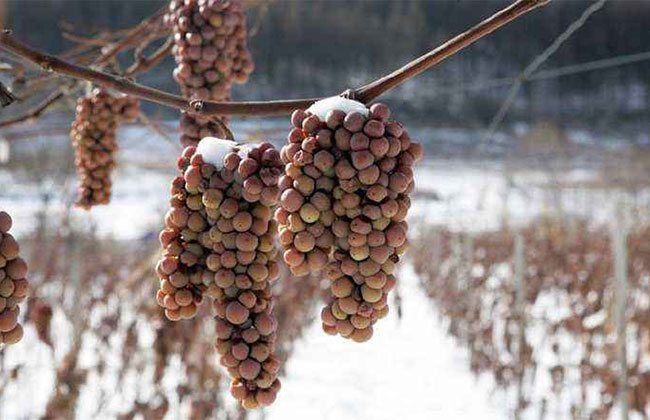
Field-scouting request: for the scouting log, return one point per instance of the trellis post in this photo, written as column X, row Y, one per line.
column 619, row 242
column 520, row 305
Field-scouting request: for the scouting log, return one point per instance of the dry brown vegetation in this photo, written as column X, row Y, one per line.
column 554, row 344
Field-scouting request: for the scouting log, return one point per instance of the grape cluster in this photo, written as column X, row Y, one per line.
column 13, row 285
column 127, row 108
column 346, row 188
column 209, row 46
column 195, row 127
column 93, row 138
column 218, row 241
column 210, row 49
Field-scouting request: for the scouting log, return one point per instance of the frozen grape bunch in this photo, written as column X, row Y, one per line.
column 210, row 46
column 13, row 284
column 360, row 162
column 93, row 139
column 222, row 215
column 211, row 53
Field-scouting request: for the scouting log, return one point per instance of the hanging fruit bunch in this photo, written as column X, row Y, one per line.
column 348, row 176
column 13, row 284
column 218, row 242
column 93, row 139
column 127, row 108
column 93, row 136
column 211, row 54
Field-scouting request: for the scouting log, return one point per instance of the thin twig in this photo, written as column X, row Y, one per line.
column 228, row 135
column 70, row 27
column 143, row 64
column 536, row 63
column 98, row 41
column 208, row 108
column 556, row 72
column 132, row 38
column 103, row 48
column 151, row 37
column 37, row 110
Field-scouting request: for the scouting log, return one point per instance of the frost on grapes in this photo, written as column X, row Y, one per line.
column 213, row 150
column 322, row 107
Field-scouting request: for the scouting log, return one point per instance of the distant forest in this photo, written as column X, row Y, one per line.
column 317, row 47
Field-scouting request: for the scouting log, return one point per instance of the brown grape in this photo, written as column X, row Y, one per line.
column 305, row 195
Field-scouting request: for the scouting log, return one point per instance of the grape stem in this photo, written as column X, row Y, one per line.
column 365, row 94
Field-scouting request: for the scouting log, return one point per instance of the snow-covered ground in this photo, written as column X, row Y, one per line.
column 474, row 198
column 410, row 369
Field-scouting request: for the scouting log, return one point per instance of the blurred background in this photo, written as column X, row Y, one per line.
column 526, row 292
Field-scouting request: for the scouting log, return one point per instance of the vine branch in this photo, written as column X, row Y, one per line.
column 110, row 49
column 364, row 94
column 37, row 110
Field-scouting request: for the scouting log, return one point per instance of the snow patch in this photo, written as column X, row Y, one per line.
column 322, row 107
column 243, row 150
column 214, row 149
column 595, row 320
column 4, row 151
